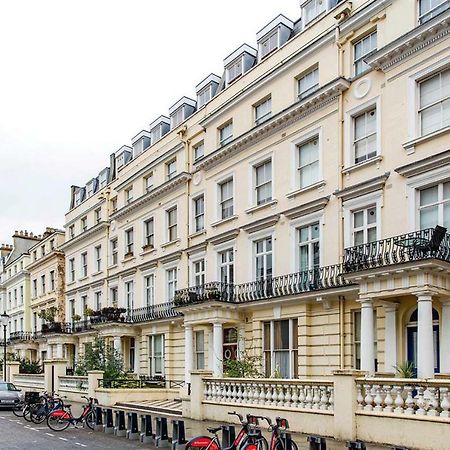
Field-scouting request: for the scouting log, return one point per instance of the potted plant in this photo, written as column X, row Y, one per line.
column 89, row 312
column 76, row 318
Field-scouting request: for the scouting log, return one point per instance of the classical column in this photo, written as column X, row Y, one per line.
column 445, row 337
column 367, row 337
column 118, row 344
column 188, row 352
column 241, row 342
column 390, row 337
column 425, row 345
column 210, row 349
column 59, row 351
column 217, row 350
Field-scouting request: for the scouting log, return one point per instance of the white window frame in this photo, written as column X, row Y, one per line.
column 349, row 157
column 234, row 74
column 149, row 239
column 422, row 181
column 296, row 144
column 264, row 254
column 128, row 195
column 195, row 215
column 221, row 265
column 374, row 198
column 219, row 183
column 84, row 224
column 196, row 147
column 129, row 294
column 98, row 300
column 321, row 13
column 171, row 169
column 199, row 352
column 303, row 94
column 225, row 140
column 432, row 11
column 98, row 258
column 260, row 119
column 149, row 289
column 204, row 96
column 198, row 278
column 148, row 182
column 171, row 226
column 171, row 281
column 152, row 356
column 84, row 264
column 268, row 39
column 129, row 243
column 365, row 55
column 114, row 247
column 98, row 215
column 72, row 269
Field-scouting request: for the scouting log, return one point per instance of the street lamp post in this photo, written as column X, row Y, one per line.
column 5, row 319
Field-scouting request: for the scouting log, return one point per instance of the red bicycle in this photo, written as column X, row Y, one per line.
column 249, row 437
column 60, row 419
column 276, row 440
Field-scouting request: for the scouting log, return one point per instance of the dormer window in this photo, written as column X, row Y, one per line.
column 141, row 142
column 313, row 9
column 181, row 110
column 124, row 155
column 159, row 128
column 79, row 196
column 103, row 178
column 269, row 44
column 207, row 89
column 239, row 62
column 273, row 35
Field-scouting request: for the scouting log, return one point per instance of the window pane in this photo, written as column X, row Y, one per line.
column 372, row 215
column 431, row 119
column 429, row 196
column 447, row 215
column 267, row 336
column 429, row 217
column 358, row 219
column 371, row 234
column 430, row 91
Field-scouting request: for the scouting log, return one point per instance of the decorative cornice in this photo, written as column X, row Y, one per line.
column 170, row 258
column 90, row 232
column 307, row 208
column 53, row 254
column 411, row 43
column 197, row 248
column 84, row 211
column 374, row 184
column 165, row 188
column 127, row 272
column 224, row 237
column 319, row 99
column 424, row 165
column 262, row 224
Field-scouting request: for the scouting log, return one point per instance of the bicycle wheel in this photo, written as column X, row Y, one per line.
column 90, row 419
column 18, row 409
column 262, row 444
column 26, row 413
column 58, row 422
column 39, row 415
column 280, row 445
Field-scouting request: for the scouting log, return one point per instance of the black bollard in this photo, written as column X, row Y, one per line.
column 98, row 419
column 317, row 443
column 356, row 445
column 161, row 436
column 228, row 435
column 120, row 429
column 108, row 427
column 178, row 435
column 147, row 430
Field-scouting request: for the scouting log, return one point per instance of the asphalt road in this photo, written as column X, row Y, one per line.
column 18, row 434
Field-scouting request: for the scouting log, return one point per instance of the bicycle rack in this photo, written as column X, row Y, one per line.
column 356, row 445
column 119, row 429
column 108, row 427
column 161, row 437
column 178, row 435
column 147, row 430
column 317, row 443
column 98, row 419
column 228, row 435
column 132, row 429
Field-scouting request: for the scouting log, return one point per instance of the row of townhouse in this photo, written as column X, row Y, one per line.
column 294, row 211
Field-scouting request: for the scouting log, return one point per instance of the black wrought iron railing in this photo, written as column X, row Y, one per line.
column 214, row 291
column 415, row 246
column 295, row 283
column 79, row 326
column 56, row 327
column 21, row 336
column 153, row 312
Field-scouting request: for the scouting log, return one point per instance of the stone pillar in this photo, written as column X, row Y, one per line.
column 218, row 349
column 345, row 404
column 425, row 344
column 367, row 337
column 12, row 369
column 210, row 349
column 195, row 409
column 390, row 337
column 59, row 351
column 118, row 344
column 188, row 352
column 93, row 377
column 53, row 369
column 241, row 342
column 445, row 337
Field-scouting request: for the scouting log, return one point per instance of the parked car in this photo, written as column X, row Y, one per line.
column 9, row 395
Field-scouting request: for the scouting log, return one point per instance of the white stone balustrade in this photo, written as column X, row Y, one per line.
column 30, row 381
column 314, row 395
column 411, row 397
column 73, row 384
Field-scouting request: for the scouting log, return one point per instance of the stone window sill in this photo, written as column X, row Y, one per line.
column 317, row 185
column 263, row 206
column 376, row 160
column 222, row 221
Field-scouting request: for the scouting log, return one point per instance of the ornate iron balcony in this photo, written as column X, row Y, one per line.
column 295, row 283
column 416, row 246
column 153, row 312
column 56, row 327
column 21, row 336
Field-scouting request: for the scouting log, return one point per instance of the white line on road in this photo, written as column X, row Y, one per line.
column 81, row 445
column 50, row 434
column 63, row 439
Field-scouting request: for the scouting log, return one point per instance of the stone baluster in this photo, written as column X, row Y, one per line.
column 323, row 398
column 302, row 397
column 294, row 398
column 288, row 396
column 213, row 391
column 331, row 398
column 421, row 404
column 378, row 399
column 432, row 403
column 409, row 402
column 368, row 400
column 359, row 398
column 256, row 389
column 274, row 395
column 388, row 400
column 238, row 392
column 205, row 391
column 233, row 392
column 262, row 394
column 280, row 401
column 309, row 397
column 244, row 393
column 398, row 400
column 445, row 403
column 316, row 397
column 268, row 394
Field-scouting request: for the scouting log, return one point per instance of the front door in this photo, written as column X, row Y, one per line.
column 229, row 344
column 411, row 340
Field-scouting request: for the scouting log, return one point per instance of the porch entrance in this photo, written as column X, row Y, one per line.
column 411, row 340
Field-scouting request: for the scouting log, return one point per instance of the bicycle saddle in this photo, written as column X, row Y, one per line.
column 214, row 429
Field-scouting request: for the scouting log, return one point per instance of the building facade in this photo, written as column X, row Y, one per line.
column 291, row 211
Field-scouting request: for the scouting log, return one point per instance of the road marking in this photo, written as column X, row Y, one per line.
column 63, row 439
column 41, row 428
column 81, row 445
column 50, row 434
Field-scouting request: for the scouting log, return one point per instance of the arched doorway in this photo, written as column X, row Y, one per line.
column 411, row 339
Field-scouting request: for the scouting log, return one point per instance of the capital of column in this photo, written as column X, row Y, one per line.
column 424, row 296
column 366, row 302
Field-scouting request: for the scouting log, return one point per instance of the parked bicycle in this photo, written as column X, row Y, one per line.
column 249, row 434
column 47, row 404
column 277, row 441
column 23, row 408
column 60, row 419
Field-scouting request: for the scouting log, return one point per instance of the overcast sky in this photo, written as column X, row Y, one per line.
column 78, row 79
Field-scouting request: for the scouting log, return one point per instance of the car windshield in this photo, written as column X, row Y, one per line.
column 7, row 387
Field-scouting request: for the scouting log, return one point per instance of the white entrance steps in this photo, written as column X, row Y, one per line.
column 166, row 407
